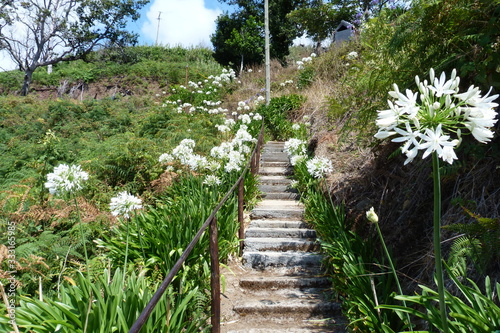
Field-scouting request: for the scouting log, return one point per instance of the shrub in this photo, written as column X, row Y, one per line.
column 277, row 114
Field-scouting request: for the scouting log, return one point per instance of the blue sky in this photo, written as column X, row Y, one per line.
column 182, row 22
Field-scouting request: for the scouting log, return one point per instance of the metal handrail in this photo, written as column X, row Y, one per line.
column 253, row 165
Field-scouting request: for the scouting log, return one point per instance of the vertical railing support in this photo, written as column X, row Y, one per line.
column 215, row 276
column 241, row 195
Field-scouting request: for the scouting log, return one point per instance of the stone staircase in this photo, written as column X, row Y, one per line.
column 279, row 286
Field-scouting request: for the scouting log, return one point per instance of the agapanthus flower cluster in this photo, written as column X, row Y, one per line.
column 435, row 118
column 124, row 204
column 352, row 55
column 318, row 167
column 245, row 118
column 233, row 153
column 184, row 153
column 285, row 83
column 211, row 180
column 66, row 179
column 259, row 100
column 296, row 150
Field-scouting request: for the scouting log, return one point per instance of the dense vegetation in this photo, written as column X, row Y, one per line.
column 116, row 121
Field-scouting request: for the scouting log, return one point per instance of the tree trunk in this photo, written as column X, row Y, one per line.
column 28, row 75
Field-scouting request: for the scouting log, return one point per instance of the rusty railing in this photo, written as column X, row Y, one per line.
column 211, row 224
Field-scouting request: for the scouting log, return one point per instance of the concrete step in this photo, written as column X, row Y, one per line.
column 277, row 224
column 274, row 259
column 261, row 244
column 281, row 233
column 262, row 283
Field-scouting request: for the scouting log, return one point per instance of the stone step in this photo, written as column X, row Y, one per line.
column 304, row 326
column 275, row 157
column 283, row 282
column 275, row 170
column 275, row 180
column 275, row 244
column 298, row 308
column 281, row 195
column 273, row 259
column 278, row 209
column 275, row 213
column 275, row 164
column 274, row 188
column 277, row 224
column 281, row 232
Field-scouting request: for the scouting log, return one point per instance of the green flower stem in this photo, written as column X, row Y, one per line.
column 391, row 264
column 83, row 237
column 126, row 253
column 139, row 234
column 437, row 240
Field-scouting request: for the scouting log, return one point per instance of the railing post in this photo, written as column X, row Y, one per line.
column 215, row 276
column 241, row 232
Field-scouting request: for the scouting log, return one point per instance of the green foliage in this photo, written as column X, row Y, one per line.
column 480, row 243
column 474, row 311
column 277, row 114
column 305, row 77
column 318, row 21
column 357, row 278
column 105, row 305
column 282, row 30
column 449, row 34
column 230, row 43
column 167, row 229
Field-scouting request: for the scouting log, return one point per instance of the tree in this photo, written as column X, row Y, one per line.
column 319, row 20
column 38, row 33
column 282, row 31
column 238, row 40
column 248, row 40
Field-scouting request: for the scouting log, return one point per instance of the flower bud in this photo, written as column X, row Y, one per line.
column 372, row 216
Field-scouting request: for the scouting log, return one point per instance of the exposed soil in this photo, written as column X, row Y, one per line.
column 402, row 196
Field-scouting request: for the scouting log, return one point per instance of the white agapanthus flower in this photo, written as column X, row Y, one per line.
column 296, row 159
column 257, row 117
column 352, row 55
column 124, row 204
column 318, row 167
column 229, row 122
column 236, row 160
column 223, row 128
column 296, row 127
column 434, row 118
column 66, row 179
column 166, row 158
column 245, row 119
column 295, row 147
column 211, row 180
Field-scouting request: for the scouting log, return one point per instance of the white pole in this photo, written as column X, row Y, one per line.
column 268, row 58
column 158, row 28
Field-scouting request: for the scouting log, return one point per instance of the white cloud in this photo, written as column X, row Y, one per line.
column 182, row 22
